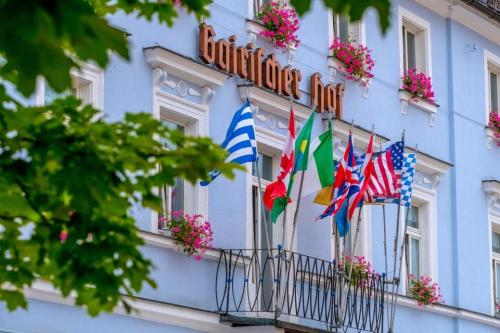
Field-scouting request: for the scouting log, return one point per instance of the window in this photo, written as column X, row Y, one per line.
column 495, row 250
column 493, row 87
column 414, row 43
column 342, row 28
column 87, row 85
column 172, row 196
column 260, row 232
column 420, row 251
column 257, row 4
column 413, row 242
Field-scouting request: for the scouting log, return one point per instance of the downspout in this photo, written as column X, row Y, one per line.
column 453, row 172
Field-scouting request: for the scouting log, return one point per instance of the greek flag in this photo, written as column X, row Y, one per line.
column 240, row 140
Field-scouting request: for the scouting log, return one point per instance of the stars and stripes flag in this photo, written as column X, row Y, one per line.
column 277, row 189
column 364, row 168
column 345, row 178
column 385, row 182
column 406, row 190
column 240, row 140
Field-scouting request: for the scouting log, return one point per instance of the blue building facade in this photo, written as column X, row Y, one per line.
column 453, row 228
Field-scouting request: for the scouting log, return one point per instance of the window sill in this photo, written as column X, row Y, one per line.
column 490, row 138
column 335, row 65
column 254, row 29
column 406, row 98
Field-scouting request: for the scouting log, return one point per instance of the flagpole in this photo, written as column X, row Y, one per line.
column 296, row 214
column 396, row 294
column 395, row 282
column 385, row 228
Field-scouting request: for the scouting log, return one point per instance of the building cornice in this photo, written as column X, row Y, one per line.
column 184, row 67
column 465, row 15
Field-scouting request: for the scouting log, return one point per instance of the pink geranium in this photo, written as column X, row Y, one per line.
column 494, row 124
column 356, row 59
column 193, row 235
column 424, row 291
column 280, row 24
column 418, row 85
column 361, row 269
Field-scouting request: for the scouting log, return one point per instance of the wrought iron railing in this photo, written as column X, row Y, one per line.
column 287, row 284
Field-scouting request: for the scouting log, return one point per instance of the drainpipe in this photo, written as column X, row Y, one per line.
column 453, row 173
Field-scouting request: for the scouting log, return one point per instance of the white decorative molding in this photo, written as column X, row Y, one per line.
column 430, row 166
column 183, row 67
column 253, row 30
column 275, row 104
column 490, row 138
column 407, row 99
column 149, row 310
column 492, row 190
column 465, row 15
column 207, row 94
column 194, row 92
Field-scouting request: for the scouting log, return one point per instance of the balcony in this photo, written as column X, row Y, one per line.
column 296, row 292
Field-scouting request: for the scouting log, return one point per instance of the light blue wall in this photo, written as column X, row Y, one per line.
column 457, row 137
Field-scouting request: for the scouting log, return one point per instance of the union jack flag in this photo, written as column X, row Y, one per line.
column 364, row 167
column 346, row 181
column 385, row 180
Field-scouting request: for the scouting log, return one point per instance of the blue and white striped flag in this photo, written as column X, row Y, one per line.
column 240, row 140
column 406, row 189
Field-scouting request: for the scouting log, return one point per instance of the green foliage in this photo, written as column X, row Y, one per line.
column 63, row 173
column 352, row 8
column 49, row 38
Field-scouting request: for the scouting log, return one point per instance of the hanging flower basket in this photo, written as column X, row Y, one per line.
column 494, row 126
column 361, row 269
column 424, row 291
column 419, row 86
column 193, row 235
column 280, row 25
column 356, row 61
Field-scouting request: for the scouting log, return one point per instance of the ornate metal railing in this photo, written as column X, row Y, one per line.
column 281, row 283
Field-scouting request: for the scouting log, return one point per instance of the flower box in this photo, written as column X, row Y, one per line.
column 407, row 98
column 280, row 24
column 493, row 130
column 336, row 65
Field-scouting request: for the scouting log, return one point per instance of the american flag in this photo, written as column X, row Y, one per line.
column 385, row 181
column 346, row 181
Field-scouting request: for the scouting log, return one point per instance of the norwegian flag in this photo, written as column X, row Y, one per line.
column 364, row 167
column 346, row 181
column 385, row 181
column 277, row 189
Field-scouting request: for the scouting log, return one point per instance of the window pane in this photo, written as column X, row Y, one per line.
column 411, row 50
column 413, row 217
column 343, row 28
column 173, row 196
column 415, row 256
column 496, row 242
column 497, row 282
column 265, row 167
column 493, row 92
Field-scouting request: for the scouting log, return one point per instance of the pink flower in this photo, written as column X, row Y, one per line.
column 63, row 235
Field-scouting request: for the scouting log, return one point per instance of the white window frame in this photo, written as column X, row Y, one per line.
column 491, row 60
column 357, row 27
column 275, row 154
column 194, row 117
column 251, row 8
column 88, row 74
column 422, row 29
column 494, row 225
column 426, row 200
column 268, row 143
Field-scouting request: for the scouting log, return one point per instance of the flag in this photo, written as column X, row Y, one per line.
column 277, row 189
column 240, row 140
column 300, row 164
column 319, row 176
column 341, row 220
column 364, row 167
column 385, row 181
column 344, row 178
column 406, row 192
